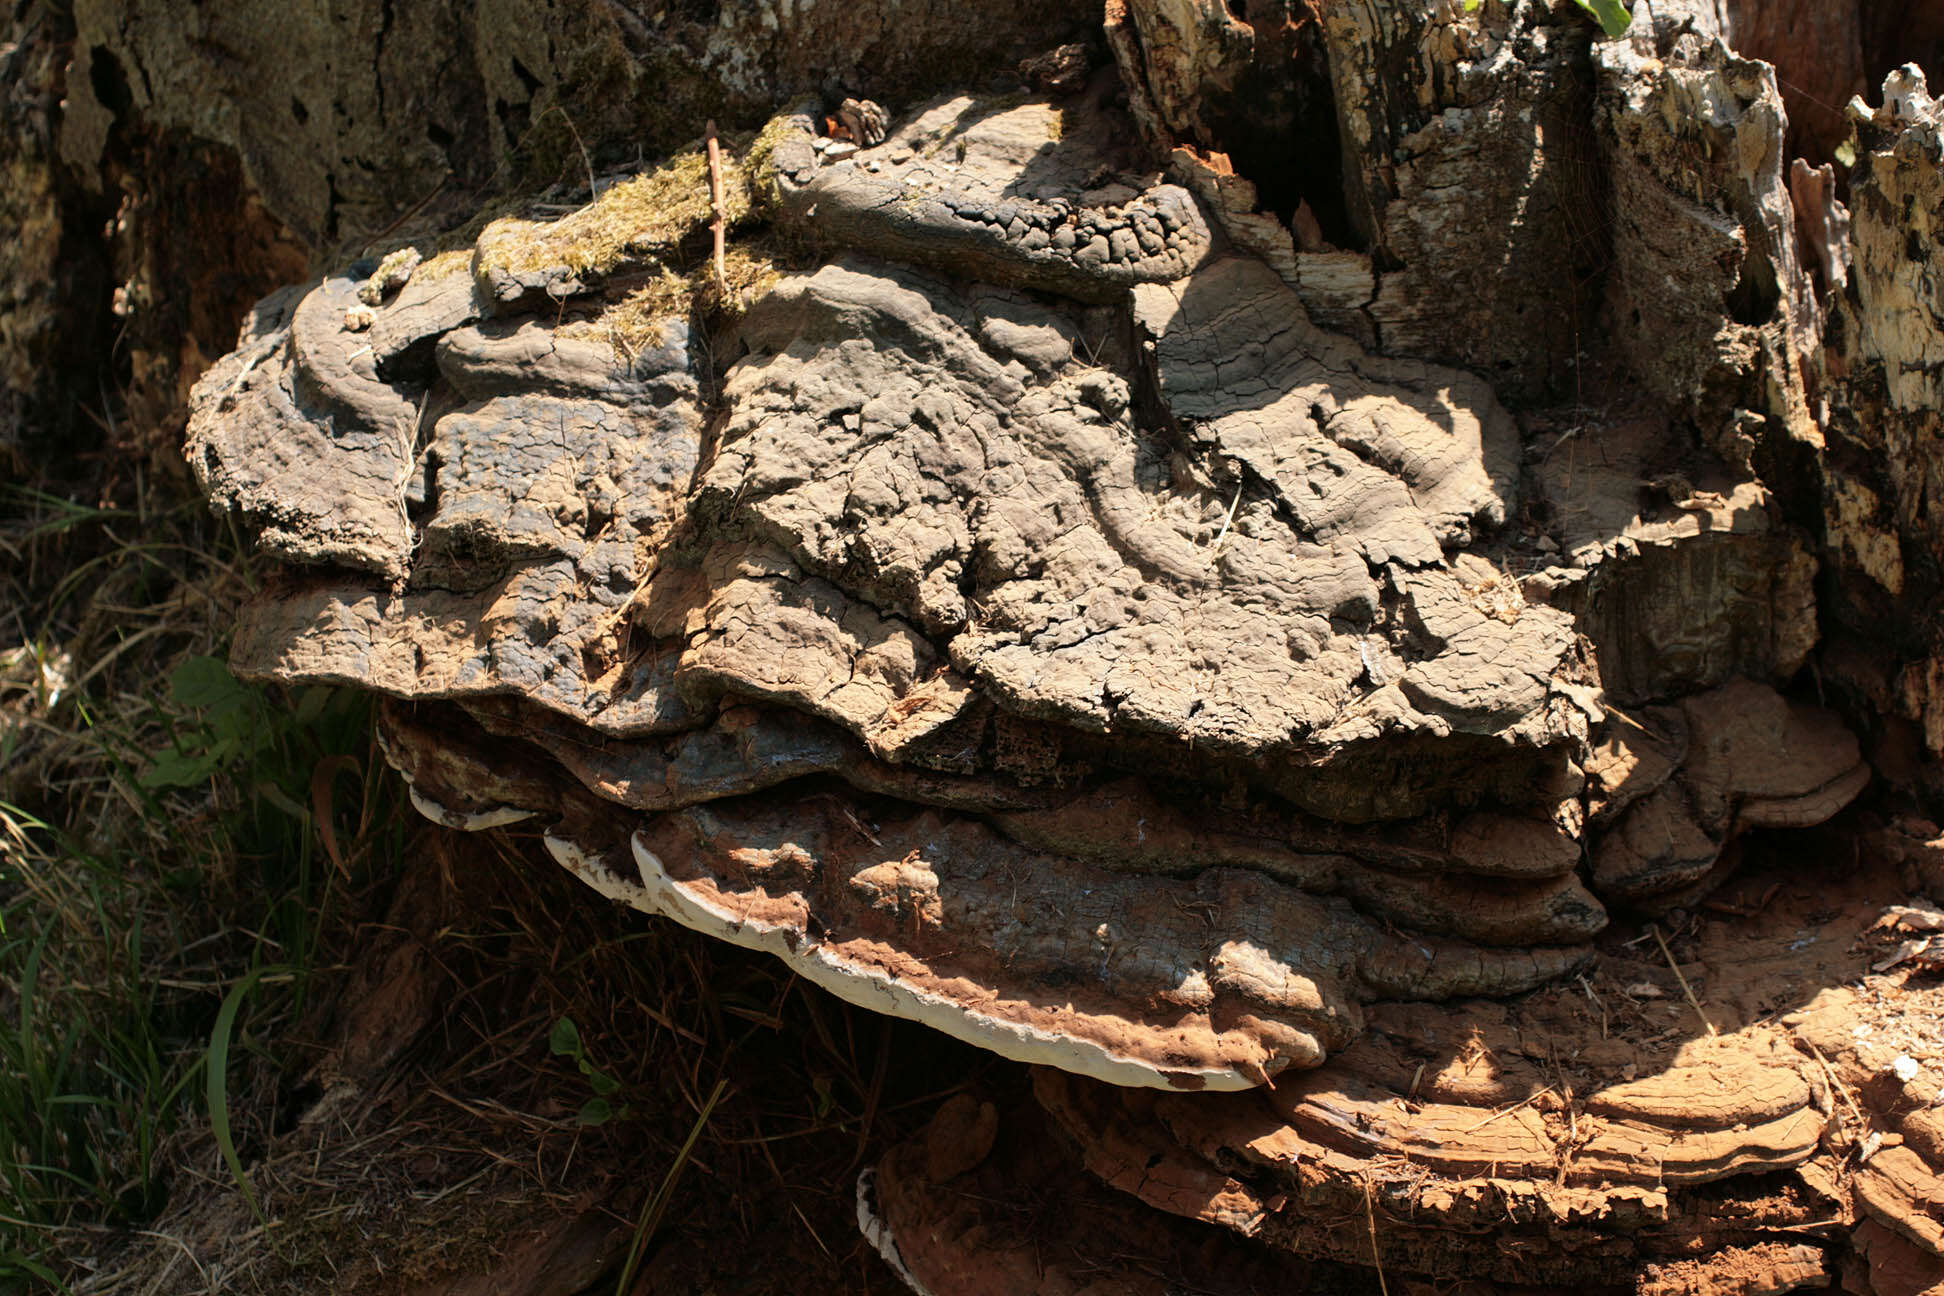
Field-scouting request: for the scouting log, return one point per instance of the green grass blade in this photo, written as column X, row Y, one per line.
column 656, row 1206
column 14, row 1261
column 29, row 985
column 216, row 1068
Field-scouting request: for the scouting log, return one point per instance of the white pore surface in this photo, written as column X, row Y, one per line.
column 878, row 1233
column 497, row 817
column 879, row 991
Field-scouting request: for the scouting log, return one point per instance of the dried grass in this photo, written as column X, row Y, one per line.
column 635, row 218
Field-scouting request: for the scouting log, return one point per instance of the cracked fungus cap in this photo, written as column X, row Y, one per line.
column 1025, row 620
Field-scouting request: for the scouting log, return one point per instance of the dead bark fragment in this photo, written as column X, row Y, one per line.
column 1707, row 299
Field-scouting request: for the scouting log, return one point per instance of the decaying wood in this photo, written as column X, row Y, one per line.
column 1195, row 635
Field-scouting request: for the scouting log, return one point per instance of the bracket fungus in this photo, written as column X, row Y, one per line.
column 1024, row 618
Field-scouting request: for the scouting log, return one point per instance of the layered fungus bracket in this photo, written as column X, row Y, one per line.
column 1009, row 606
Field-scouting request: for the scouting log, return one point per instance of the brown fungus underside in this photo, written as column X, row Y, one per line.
column 1025, row 617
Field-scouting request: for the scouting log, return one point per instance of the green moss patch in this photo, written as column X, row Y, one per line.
column 645, row 216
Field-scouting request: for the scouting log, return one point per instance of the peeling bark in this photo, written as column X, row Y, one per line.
column 1881, row 490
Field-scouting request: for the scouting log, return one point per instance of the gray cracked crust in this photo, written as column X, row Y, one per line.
column 1036, row 194
column 1084, row 654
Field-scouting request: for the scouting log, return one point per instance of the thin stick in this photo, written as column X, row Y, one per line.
column 1376, row 1260
column 1838, row 1085
column 1229, row 521
column 1523, row 1102
column 1686, row 989
column 1613, row 710
column 720, row 225
column 420, row 206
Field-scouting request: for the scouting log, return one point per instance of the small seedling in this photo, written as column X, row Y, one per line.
column 232, row 724
column 565, row 1041
column 1612, row 15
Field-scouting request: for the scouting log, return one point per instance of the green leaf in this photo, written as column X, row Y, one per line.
column 595, row 1111
column 231, row 722
column 32, row 1267
column 1611, row 14
column 205, row 682
column 820, row 1085
column 564, row 1039
column 180, row 769
column 602, row 1082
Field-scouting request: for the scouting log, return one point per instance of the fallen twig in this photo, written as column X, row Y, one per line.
column 1376, row 1260
column 1686, row 989
column 1829, row 1074
column 1507, row 1111
column 719, row 226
